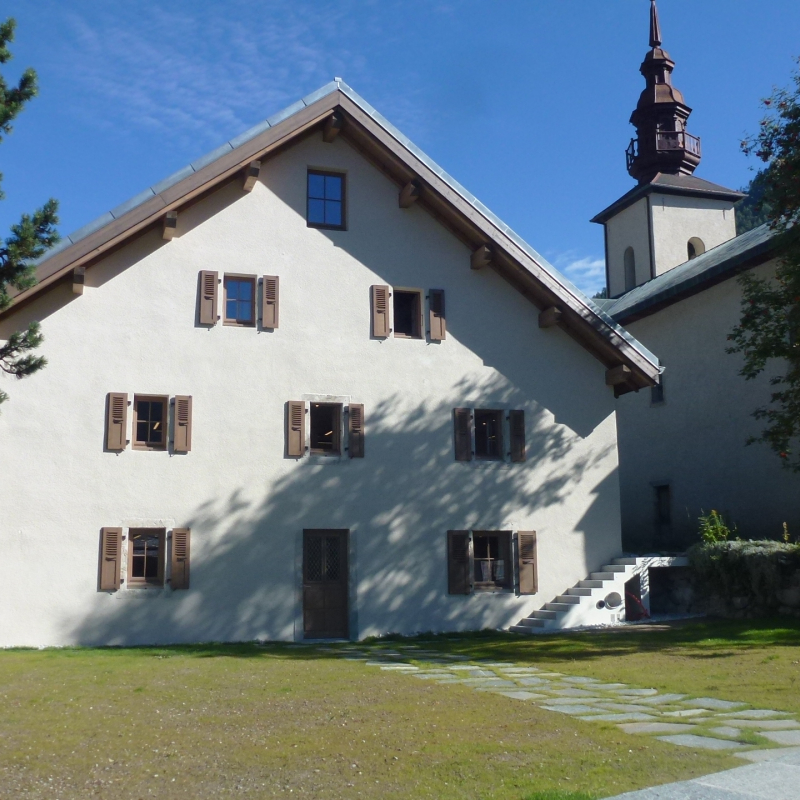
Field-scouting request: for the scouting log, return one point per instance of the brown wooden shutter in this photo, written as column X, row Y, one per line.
column 117, row 421
column 208, row 297
column 183, row 424
column 527, row 562
column 356, row 430
column 179, row 561
column 516, row 424
column 380, row 312
column 436, row 318
column 269, row 301
column 462, row 424
column 296, row 428
column 459, row 569
column 110, row 558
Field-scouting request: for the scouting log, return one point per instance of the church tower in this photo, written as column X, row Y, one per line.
column 671, row 216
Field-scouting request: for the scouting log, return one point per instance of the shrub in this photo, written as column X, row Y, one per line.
column 713, row 528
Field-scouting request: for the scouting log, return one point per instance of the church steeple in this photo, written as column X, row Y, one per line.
column 662, row 143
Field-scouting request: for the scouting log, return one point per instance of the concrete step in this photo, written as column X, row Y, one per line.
column 628, row 562
column 580, row 591
column 590, row 584
column 558, row 606
column 544, row 614
column 522, row 629
column 569, row 599
column 532, row 622
column 602, row 576
column 613, row 568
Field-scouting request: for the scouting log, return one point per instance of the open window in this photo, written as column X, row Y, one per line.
column 489, row 434
column 491, row 561
column 325, row 429
column 407, row 309
column 146, row 549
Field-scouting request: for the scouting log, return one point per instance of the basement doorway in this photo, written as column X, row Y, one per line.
column 325, row 584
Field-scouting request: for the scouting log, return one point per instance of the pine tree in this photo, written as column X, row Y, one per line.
column 30, row 238
column 768, row 333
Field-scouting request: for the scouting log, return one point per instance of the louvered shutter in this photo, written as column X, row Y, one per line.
column 356, row 431
column 516, row 424
column 110, row 558
column 117, row 421
column 208, row 297
column 296, row 428
column 527, row 562
column 269, row 301
column 462, row 425
column 459, row 567
column 179, row 562
column 436, row 318
column 183, row 424
column 380, row 312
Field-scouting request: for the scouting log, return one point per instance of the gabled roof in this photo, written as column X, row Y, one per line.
column 714, row 266
column 397, row 157
column 683, row 185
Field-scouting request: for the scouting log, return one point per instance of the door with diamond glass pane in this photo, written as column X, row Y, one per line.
column 325, row 581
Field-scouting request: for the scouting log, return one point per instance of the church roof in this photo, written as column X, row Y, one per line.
column 714, row 266
column 680, row 184
column 397, row 157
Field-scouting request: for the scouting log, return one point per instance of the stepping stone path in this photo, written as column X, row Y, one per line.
column 697, row 722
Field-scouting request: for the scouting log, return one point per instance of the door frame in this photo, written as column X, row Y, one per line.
column 350, row 614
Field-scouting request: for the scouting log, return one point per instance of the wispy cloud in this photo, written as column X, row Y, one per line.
column 586, row 272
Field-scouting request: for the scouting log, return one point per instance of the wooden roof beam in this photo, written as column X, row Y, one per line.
column 481, row 257
column 170, row 226
column 333, row 126
column 550, row 317
column 409, row 194
column 78, row 279
column 618, row 375
column 251, row 175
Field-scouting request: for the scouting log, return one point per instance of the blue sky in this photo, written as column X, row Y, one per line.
column 525, row 102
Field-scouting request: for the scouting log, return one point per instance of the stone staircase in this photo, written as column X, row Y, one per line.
column 587, row 603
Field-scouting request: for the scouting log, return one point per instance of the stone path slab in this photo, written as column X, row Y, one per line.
column 655, row 727
column 571, row 709
column 765, row 724
column 755, row 713
column 711, row 703
column 783, row 737
column 701, row 742
column 618, row 717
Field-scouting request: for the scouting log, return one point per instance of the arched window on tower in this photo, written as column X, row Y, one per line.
column 695, row 247
column 629, row 260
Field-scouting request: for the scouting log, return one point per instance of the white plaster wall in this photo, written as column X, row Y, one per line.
column 696, row 439
column 134, row 330
column 627, row 229
column 678, row 219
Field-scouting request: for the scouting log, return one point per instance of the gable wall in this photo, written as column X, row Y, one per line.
column 134, row 330
column 695, row 441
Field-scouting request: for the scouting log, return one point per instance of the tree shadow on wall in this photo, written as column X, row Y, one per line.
column 398, row 502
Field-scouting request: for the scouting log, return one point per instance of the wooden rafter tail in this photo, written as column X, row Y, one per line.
column 78, row 279
column 550, row 317
column 409, row 194
column 170, row 229
column 618, row 375
column 333, row 126
column 481, row 257
column 251, row 175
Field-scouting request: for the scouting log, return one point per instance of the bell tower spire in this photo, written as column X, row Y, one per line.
column 662, row 143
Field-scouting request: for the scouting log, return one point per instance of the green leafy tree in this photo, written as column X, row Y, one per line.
column 30, row 238
column 752, row 211
column 768, row 333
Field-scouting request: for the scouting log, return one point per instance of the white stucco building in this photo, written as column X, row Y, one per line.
column 672, row 259
column 306, row 387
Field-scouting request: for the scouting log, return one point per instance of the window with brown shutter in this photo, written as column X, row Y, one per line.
column 269, row 301
column 462, row 425
column 459, row 568
column 436, row 315
column 146, row 556
column 208, row 297
column 110, row 559
column 240, row 300
column 488, row 434
column 516, row 425
column 295, row 428
column 116, row 421
column 183, row 424
column 407, row 313
column 527, row 562
column 356, row 431
column 150, row 422
column 380, row 312
column 325, row 429
column 491, row 560
column 179, row 561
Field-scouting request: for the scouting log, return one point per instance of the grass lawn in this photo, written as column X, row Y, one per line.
column 265, row 721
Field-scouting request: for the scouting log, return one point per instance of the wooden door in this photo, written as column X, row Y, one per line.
column 325, row 579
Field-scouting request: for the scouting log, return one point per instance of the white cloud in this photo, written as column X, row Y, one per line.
column 586, row 272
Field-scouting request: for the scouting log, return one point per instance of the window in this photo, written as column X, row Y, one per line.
column 325, row 429
column 630, row 269
column 695, row 247
column 491, row 560
column 325, row 200
column 663, row 505
column 240, row 300
column 407, row 313
column 489, row 434
column 146, row 548
column 150, row 422
column 480, row 434
column 657, row 393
